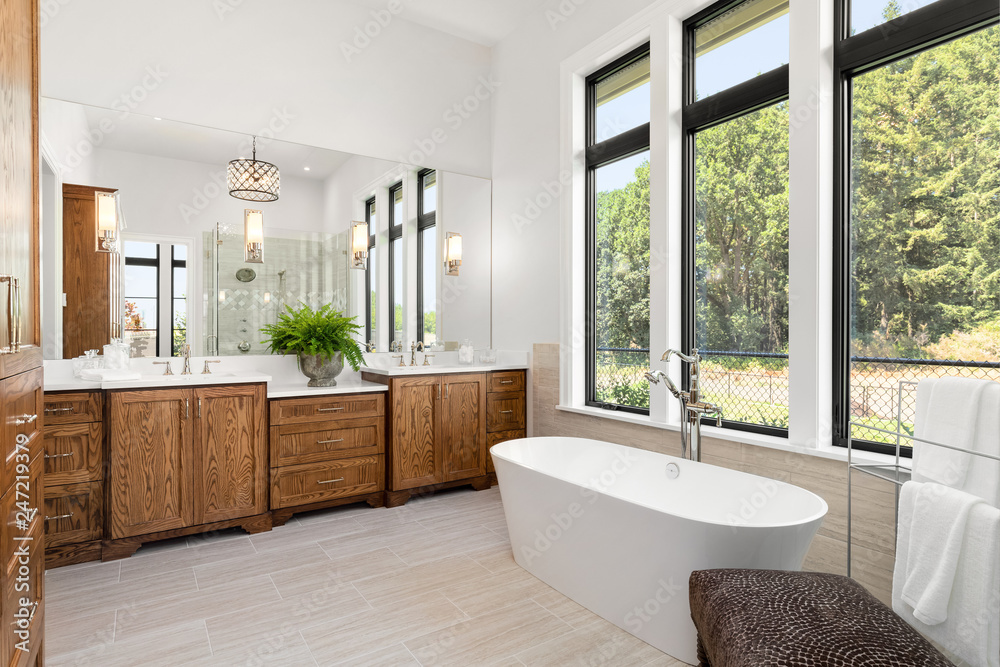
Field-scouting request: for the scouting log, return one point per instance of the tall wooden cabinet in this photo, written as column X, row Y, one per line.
column 184, row 459
column 21, row 533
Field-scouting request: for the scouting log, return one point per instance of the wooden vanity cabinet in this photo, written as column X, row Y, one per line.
column 74, row 477
column 506, row 411
column 437, row 433
column 182, row 461
column 326, row 451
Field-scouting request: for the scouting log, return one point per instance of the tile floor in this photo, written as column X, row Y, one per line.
column 429, row 583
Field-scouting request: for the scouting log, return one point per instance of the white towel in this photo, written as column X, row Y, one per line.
column 947, row 411
column 971, row 629
column 109, row 375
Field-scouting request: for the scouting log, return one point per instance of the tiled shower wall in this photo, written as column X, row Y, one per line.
column 312, row 270
column 873, row 500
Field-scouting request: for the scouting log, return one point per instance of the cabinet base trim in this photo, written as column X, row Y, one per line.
column 71, row 554
column 398, row 498
column 125, row 547
column 280, row 516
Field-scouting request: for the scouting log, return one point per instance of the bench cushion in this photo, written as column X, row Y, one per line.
column 767, row 617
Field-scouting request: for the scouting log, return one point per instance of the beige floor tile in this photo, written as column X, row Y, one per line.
column 178, row 610
column 435, row 546
column 78, row 633
column 355, row 636
column 332, row 514
column 287, row 537
column 266, row 628
column 419, row 580
column 570, row 612
column 372, row 538
column 238, row 569
column 489, row 639
column 183, row 558
column 485, row 594
column 597, row 643
column 665, row 661
column 184, row 644
column 384, row 516
column 393, row 656
column 496, row 558
column 299, row 580
column 291, row 651
column 119, row 594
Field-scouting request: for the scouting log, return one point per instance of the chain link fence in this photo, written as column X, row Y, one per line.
column 752, row 387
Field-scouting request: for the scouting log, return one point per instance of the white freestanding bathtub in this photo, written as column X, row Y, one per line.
column 612, row 528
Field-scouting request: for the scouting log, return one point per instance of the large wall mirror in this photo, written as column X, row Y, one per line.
column 180, row 273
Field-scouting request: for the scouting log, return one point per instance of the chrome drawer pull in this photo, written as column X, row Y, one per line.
column 331, row 481
column 328, row 409
column 61, row 516
column 59, row 456
column 506, row 382
column 25, row 419
column 506, row 412
column 52, row 411
column 327, row 442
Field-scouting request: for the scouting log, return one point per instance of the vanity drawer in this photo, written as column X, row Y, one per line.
column 299, row 410
column 73, row 513
column 503, row 381
column 315, row 442
column 74, row 408
column 497, row 438
column 21, row 421
column 504, row 412
column 73, row 453
column 316, row 482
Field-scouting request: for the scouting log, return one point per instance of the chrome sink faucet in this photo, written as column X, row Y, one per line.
column 414, row 348
column 187, row 360
column 693, row 408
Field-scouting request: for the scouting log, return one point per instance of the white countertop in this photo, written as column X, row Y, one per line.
column 281, row 373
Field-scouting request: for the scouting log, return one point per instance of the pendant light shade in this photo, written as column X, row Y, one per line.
column 253, row 180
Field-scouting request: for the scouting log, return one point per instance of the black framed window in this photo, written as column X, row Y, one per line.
column 735, row 209
column 178, row 303
column 916, row 212
column 617, row 236
column 371, row 274
column 141, row 294
column 427, row 267
column 396, row 217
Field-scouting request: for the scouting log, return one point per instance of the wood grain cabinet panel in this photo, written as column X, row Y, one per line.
column 73, row 453
column 505, row 412
column 318, row 482
column 463, row 428
column 506, row 381
column 21, row 424
column 416, row 431
column 150, row 465
column 297, row 411
column 74, row 408
column 73, row 513
column 295, row 444
column 232, row 452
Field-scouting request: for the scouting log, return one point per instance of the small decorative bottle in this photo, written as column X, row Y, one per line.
column 466, row 353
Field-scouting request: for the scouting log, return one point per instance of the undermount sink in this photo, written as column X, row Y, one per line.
column 193, row 377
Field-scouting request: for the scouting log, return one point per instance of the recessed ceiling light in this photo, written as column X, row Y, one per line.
column 306, row 168
column 157, row 118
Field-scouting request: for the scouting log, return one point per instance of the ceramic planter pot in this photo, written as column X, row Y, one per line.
column 321, row 370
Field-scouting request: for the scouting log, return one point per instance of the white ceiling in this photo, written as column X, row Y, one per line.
column 135, row 133
column 485, row 22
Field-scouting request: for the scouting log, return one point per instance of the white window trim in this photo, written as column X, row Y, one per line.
column 810, row 212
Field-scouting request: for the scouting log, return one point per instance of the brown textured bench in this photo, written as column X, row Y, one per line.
column 756, row 618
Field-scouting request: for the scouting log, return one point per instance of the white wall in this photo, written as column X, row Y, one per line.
column 243, row 65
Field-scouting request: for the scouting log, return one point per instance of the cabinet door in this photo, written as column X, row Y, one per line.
column 150, row 479
column 231, row 453
column 415, row 429
column 463, row 426
column 20, row 421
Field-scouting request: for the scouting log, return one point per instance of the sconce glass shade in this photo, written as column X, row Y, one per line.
column 453, row 253
column 359, row 245
column 253, row 180
column 107, row 221
column 253, row 236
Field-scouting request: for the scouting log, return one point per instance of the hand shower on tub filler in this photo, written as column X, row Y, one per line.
column 693, row 408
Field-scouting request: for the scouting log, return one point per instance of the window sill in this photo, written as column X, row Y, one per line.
column 731, row 435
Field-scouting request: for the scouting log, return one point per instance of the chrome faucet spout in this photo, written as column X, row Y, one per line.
column 187, row 360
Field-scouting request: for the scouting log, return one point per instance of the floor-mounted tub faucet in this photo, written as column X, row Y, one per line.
column 692, row 407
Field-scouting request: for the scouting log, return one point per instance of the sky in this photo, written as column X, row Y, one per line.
column 754, row 53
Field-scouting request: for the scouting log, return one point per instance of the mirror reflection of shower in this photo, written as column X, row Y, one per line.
column 298, row 267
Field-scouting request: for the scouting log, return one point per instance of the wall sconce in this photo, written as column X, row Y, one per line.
column 453, row 253
column 359, row 245
column 253, row 236
column 107, row 221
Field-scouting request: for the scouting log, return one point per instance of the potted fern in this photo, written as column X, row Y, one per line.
column 322, row 339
